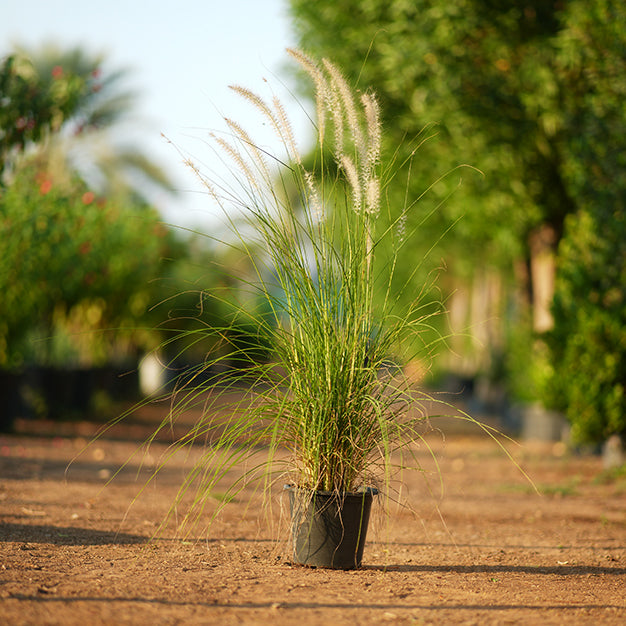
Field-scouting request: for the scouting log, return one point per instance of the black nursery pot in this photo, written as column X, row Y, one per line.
column 328, row 529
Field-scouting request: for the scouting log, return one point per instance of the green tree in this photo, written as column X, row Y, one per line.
column 588, row 343
column 531, row 93
column 475, row 76
column 65, row 102
column 75, row 229
column 473, row 83
column 69, row 254
column 32, row 108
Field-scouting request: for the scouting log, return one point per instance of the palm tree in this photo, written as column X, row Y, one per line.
column 83, row 139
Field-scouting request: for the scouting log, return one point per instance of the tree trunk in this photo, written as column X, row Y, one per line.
column 542, row 245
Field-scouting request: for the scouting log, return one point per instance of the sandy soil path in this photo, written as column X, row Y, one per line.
column 486, row 550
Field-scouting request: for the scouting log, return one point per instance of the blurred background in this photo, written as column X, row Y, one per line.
column 103, row 229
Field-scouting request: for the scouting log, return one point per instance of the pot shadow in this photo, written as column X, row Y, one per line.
column 494, row 546
column 560, row 570
column 63, row 536
column 286, row 606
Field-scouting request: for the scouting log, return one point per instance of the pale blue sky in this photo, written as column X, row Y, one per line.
column 182, row 56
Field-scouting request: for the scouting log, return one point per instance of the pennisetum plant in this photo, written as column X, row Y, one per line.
column 330, row 410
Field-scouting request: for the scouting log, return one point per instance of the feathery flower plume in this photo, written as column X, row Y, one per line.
column 353, row 179
column 372, row 196
column 203, row 179
column 257, row 156
column 333, row 105
column 236, row 157
column 320, row 84
column 372, row 118
column 345, row 94
column 262, row 106
column 314, row 198
column 286, row 132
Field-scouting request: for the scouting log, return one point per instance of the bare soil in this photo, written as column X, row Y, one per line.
column 479, row 546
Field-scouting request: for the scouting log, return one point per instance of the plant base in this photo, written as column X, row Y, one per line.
column 329, row 529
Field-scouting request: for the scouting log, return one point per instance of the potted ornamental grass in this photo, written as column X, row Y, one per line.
column 329, row 410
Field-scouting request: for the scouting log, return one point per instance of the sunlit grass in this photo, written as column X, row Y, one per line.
column 330, row 409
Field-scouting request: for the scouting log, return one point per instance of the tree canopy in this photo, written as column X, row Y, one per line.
column 533, row 94
column 80, row 252
column 33, row 106
column 506, row 87
column 67, row 100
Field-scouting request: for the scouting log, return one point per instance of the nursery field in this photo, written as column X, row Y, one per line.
column 467, row 540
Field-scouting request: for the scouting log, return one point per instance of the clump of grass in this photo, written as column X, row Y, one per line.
column 330, row 409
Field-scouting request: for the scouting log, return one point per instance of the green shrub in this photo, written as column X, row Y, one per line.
column 73, row 266
column 588, row 344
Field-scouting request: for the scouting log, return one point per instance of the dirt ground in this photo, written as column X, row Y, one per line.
column 478, row 547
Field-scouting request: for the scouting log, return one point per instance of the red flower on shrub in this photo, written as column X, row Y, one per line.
column 45, row 186
column 57, row 71
column 85, row 247
column 88, row 197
